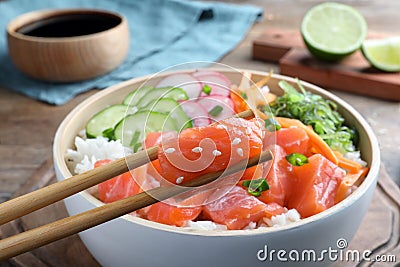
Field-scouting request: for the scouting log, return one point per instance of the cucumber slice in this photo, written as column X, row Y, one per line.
column 133, row 128
column 163, row 92
column 102, row 123
column 133, row 97
column 172, row 108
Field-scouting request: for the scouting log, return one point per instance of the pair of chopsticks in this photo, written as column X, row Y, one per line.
column 31, row 239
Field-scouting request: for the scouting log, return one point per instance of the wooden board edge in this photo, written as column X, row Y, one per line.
column 352, row 82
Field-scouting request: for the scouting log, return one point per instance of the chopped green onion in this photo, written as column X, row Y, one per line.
column 294, row 96
column 137, row 147
column 109, row 133
column 243, row 95
column 134, row 139
column 207, row 89
column 256, row 187
column 215, row 111
column 272, row 125
column 314, row 110
column 297, row 159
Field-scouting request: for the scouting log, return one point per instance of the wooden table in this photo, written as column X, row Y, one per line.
column 28, row 126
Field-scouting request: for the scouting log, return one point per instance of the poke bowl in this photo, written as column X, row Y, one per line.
column 293, row 236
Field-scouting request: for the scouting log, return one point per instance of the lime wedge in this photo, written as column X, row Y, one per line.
column 383, row 54
column 332, row 31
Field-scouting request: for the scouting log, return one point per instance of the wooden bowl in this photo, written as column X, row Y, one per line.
column 67, row 45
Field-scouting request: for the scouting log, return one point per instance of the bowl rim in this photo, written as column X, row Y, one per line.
column 37, row 15
column 369, row 180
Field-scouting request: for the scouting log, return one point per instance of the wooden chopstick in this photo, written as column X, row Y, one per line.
column 45, row 196
column 48, row 233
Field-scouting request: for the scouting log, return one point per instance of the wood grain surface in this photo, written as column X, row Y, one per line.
column 355, row 74
column 379, row 231
column 27, row 127
column 73, row 251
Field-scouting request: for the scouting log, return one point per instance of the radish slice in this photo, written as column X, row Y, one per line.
column 202, row 73
column 219, row 83
column 196, row 112
column 187, row 82
column 210, row 103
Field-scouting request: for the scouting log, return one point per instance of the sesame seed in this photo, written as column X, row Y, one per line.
column 169, row 150
column 197, row 149
column 216, row 153
column 236, row 141
column 179, row 179
column 248, row 130
column 240, row 152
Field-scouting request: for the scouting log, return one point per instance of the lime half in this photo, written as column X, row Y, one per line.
column 383, row 54
column 332, row 31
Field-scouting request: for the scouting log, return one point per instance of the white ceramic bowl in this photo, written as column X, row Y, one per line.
column 131, row 241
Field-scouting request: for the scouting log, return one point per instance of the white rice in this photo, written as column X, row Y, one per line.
column 205, row 225
column 251, row 226
column 91, row 150
column 286, row 218
column 355, row 156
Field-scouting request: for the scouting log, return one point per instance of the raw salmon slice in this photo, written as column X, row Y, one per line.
column 155, row 138
column 154, row 168
column 212, row 148
column 315, row 185
column 237, row 209
column 292, row 140
column 116, row 188
column 163, row 212
column 278, row 178
column 172, row 215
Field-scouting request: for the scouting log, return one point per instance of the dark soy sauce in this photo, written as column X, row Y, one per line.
column 70, row 25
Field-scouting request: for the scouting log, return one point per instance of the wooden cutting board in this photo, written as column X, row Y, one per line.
column 352, row 74
column 379, row 232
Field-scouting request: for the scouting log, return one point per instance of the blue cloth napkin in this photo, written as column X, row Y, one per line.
column 163, row 33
